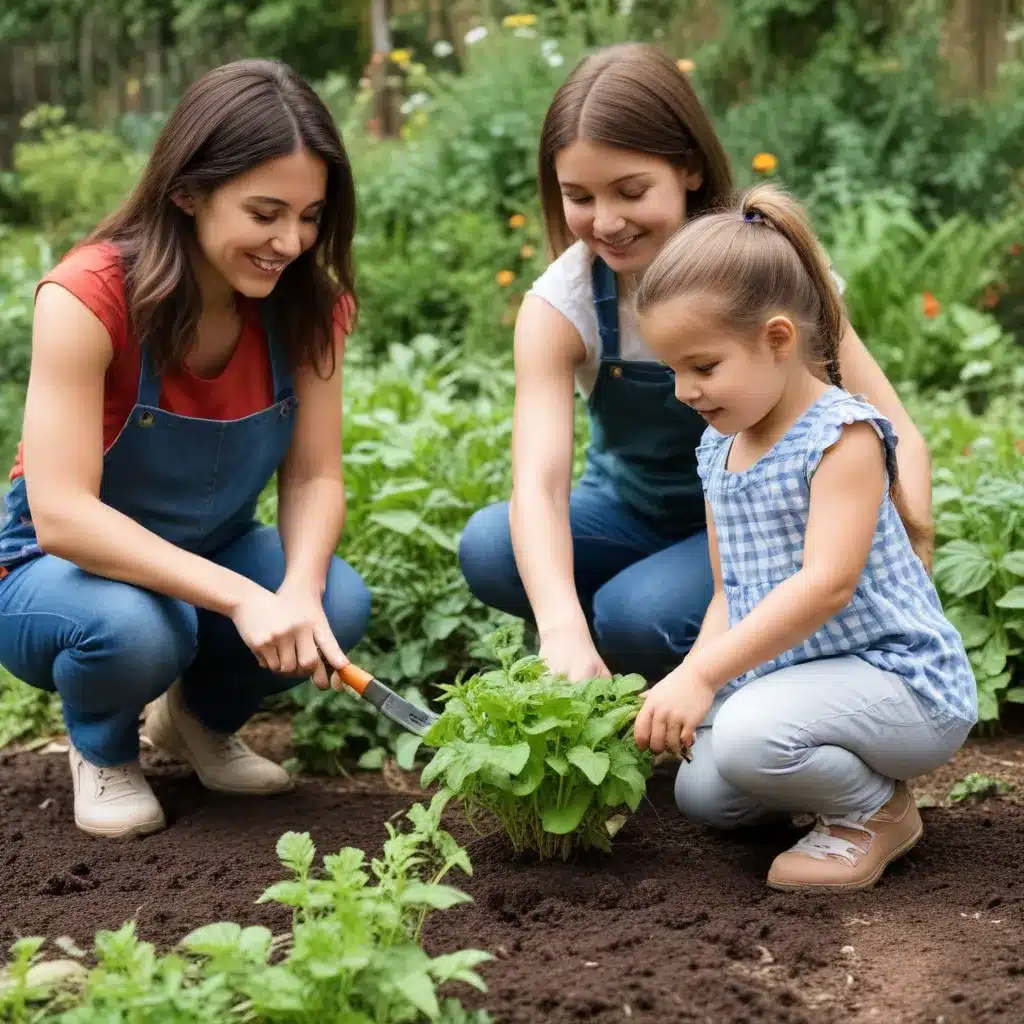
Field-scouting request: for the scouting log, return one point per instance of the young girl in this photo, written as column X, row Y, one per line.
column 184, row 354
column 829, row 671
column 617, row 571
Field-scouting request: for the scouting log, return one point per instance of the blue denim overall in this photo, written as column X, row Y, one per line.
column 643, row 440
column 108, row 647
column 640, row 555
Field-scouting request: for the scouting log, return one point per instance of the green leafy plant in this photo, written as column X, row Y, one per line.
column 352, row 955
column 978, row 506
column 553, row 761
column 976, row 786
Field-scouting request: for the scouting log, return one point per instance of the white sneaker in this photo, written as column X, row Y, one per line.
column 113, row 802
column 222, row 761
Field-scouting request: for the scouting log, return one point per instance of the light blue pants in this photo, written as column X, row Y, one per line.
column 824, row 737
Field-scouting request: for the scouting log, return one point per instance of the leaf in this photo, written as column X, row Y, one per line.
column 1015, row 695
column 963, row 566
column 562, row 820
column 594, row 764
column 439, row 763
column 557, row 763
column 511, row 759
column 545, row 724
column 440, row 897
column 1014, row 562
column 1012, row 599
column 372, row 759
column 418, row 988
column 406, row 746
column 296, row 851
column 211, row 939
column 400, row 521
column 530, row 778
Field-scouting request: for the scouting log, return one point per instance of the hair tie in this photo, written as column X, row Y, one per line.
column 753, row 216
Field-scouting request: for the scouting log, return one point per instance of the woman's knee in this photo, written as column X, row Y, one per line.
column 488, row 561
column 347, row 604
column 129, row 649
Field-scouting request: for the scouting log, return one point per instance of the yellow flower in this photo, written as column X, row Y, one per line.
column 519, row 20
column 527, row 252
column 132, row 87
column 504, row 278
column 686, row 66
column 765, row 163
column 401, row 57
column 517, row 220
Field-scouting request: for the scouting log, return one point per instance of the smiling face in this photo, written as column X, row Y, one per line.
column 249, row 229
column 733, row 381
column 623, row 204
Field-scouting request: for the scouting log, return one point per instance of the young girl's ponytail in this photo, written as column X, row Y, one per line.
column 766, row 205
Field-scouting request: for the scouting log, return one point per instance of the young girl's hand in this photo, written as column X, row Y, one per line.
column 672, row 711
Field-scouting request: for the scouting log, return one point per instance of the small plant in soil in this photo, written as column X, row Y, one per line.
column 353, row 954
column 978, row 786
column 553, row 761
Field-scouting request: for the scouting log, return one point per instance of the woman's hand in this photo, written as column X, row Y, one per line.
column 288, row 631
column 672, row 711
column 572, row 653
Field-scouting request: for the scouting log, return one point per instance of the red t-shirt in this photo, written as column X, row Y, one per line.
column 94, row 275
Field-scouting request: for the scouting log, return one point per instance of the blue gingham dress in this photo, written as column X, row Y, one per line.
column 894, row 622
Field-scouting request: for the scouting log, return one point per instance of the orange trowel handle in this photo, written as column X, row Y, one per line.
column 355, row 677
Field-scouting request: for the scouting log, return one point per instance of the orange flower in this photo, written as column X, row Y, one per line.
column 686, row 66
column 527, row 252
column 765, row 163
column 1019, row 445
column 504, row 278
column 930, row 305
column 517, row 220
column 1016, row 249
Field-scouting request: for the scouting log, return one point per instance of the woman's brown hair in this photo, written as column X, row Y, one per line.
column 755, row 260
column 633, row 96
column 231, row 120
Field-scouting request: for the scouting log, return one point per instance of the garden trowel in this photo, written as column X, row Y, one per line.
column 385, row 700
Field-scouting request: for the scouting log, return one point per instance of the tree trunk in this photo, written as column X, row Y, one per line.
column 385, row 123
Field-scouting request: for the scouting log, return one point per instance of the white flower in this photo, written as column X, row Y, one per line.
column 474, row 35
column 548, row 46
column 414, row 102
column 524, row 32
column 625, row 8
column 555, row 60
column 442, row 48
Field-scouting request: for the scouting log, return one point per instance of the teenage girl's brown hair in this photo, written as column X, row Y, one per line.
column 633, row 96
column 754, row 260
column 231, row 120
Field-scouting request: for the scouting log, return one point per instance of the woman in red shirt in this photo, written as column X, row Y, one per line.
column 183, row 355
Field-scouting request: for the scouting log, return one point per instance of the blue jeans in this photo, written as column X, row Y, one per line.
column 644, row 594
column 109, row 648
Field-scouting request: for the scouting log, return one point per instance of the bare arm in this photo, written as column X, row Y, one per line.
column 311, row 489
column 862, row 375
column 63, row 447
column 547, row 350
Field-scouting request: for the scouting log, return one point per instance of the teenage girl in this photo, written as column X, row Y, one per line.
column 615, row 572
column 825, row 674
column 182, row 356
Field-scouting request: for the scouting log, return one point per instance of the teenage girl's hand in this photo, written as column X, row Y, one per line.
column 672, row 711
column 287, row 631
column 572, row 654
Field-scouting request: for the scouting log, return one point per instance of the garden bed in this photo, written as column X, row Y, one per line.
column 675, row 925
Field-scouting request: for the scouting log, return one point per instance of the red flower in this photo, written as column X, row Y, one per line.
column 930, row 305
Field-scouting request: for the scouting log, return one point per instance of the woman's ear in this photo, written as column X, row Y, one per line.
column 183, row 201
column 692, row 180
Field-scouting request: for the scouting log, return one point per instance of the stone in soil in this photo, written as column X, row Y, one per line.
column 676, row 925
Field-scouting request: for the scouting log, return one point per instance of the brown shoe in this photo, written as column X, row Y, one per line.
column 839, row 853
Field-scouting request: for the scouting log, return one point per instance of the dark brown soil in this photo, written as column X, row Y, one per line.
column 676, row 925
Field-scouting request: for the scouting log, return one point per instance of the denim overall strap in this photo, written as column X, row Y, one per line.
column 606, row 304
column 643, row 441
column 194, row 482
